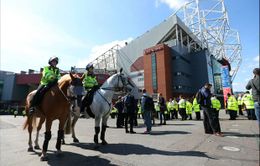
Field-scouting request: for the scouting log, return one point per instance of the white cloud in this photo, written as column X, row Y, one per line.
column 27, row 40
column 98, row 50
column 256, row 59
column 173, row 4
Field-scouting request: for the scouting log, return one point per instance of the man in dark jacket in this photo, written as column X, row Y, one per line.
column 129, row 106
column 254, row 84
column 209, row 120
column 120, row 118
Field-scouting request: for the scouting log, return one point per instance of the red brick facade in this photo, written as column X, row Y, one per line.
column 163, row 59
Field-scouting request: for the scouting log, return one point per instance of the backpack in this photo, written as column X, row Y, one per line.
column 200, row 98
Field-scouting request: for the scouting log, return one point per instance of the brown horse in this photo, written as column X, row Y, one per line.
column 55, row 105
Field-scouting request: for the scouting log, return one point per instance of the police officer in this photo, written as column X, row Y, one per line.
column 50, row 76
column 239, row 102
column 182, row 108
column 90, row 83
column 232, row 106
column 189, row 109
column 196, row 108
column 247, row 99
column 216, row 107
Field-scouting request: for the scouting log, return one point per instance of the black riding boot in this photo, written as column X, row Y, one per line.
column 102, row 137
column 60, row 137
column 97, row 130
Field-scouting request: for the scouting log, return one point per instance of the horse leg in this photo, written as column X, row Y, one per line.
column 97, row 129
column 36, row 143
column 60, row 134
column 47, row 137
column 103, row 131
column 30, row 149
column 74, row 121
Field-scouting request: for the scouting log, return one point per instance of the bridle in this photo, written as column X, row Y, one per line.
column 117, row 88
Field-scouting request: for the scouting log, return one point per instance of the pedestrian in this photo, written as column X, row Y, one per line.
column 189, row 109
column 209, row 122
column 175, row 108
column 254, row 84
column 119, row 105
column 248, row 101
column 232, row 106
column 196, row 107
column 147, row 107
column 216, row 105
column 163, row 108
column 129, row 106
column 50, row 76
column 182, row 108
column 239, row 102
column 170, row 108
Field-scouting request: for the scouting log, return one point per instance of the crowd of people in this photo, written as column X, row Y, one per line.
column 246, row 104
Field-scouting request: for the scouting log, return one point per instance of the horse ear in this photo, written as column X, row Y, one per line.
column 71, row 76
column 121, row 69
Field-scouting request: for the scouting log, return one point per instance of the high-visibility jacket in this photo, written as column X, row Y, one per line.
column 232, row 103
column 215, row 103
column 157, row 107
column 50, row 74
column 182, row 103
column 114, row 110
column 239, row 100
column 89, row 81
column 170, row 105
column 139, row 109
column 175, row 105
column 247, row 99
column 195, row 105
column 188, row 108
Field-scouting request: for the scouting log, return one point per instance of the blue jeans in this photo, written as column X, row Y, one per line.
column 257, row 111
column 148, row 120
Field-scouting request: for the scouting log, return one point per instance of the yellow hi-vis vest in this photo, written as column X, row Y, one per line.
column 170, row 106
column 195, row 105
column 50, row 74
column 215, row 103
column 248, row 101
column 89, row 82
column 188, row 108
column 232, row 103
column 182, row 103
column 175, row 105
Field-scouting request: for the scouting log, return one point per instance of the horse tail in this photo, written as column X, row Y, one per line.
column 30, row 120
column 67, row 127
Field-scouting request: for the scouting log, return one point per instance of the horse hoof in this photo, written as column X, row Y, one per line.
column 96, row 140
column 104, row 142
column 63, row 143
column 75, row 140
column 30, row 149
column 37, row 147
column 44, row 158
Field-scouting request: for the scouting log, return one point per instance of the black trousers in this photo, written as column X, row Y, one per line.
column 232, row 114
column 183, row 114
column 216, row 116
column 209, row 120
column 41, row 90
column 197, row 115
column 129, row 118
column 240, row 109
column 120, row 119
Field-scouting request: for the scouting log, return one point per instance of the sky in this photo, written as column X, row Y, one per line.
column 79, row 31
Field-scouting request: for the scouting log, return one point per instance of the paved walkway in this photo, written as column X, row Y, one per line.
column 180, row 143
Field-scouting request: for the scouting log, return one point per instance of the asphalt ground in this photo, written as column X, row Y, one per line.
column 179, row 143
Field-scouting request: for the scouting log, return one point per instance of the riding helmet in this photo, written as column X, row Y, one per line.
column 90, row 65
column 54, row 58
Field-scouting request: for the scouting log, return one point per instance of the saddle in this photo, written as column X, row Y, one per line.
column 87, row 101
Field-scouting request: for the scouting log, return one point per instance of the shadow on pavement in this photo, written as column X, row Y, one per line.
column 168, row 132
column 128, row 149
column 69, row 158
column 240, row 135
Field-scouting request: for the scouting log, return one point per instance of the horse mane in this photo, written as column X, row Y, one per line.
column 64, row 80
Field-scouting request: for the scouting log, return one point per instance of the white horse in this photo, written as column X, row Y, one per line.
column 102, row 100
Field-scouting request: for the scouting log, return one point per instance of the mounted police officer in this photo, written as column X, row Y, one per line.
column 91, row 85
column 50, row 77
